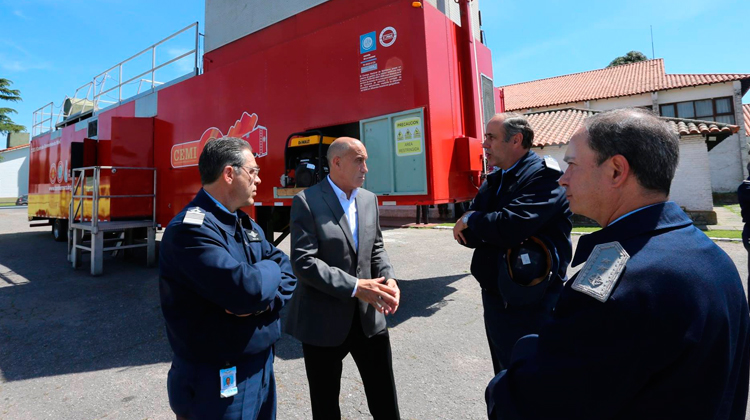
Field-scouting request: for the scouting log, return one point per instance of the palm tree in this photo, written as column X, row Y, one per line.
column 13, row 95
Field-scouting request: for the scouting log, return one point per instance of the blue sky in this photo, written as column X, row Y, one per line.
column 49, row 48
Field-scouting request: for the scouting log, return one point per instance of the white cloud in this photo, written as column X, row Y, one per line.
column 21, row 60
column 20, row 14
column 18, row 66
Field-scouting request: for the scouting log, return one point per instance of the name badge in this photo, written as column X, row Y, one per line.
column 252, row 235
column 228, row 382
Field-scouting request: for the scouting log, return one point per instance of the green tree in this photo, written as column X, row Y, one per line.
column 631, row 57
column 13, row 95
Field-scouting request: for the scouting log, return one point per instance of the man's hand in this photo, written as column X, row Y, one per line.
column 459, row 227
column 244, row 315
column 383, row 297
column 392, row 283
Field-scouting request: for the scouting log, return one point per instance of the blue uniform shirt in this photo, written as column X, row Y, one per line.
column 226, row 263
column 671, row 342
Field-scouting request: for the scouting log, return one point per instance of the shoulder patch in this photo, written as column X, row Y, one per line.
column 194, row 216
column 602, row 271
column 551, row 163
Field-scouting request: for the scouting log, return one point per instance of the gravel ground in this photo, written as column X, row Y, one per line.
column 74, row 346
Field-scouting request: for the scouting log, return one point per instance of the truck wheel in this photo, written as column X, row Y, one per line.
column 60, row 230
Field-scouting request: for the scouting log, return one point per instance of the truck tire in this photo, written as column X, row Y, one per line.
column 60, row 230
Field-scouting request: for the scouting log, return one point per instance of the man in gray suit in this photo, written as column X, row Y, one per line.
column 345, row 285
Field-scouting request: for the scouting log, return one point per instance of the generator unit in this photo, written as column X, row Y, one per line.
column 305, row 159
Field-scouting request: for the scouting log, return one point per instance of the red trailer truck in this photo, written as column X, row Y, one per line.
column 412, row 80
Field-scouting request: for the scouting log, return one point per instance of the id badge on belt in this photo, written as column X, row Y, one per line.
column 228, row 382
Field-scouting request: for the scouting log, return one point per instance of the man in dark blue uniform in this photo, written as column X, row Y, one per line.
column 222, row 286
column 743, row 197
column 519, row 224
column 655, row 325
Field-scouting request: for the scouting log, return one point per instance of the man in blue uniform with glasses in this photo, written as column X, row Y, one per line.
column 222, row 287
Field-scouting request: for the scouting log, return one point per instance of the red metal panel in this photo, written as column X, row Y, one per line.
column 49, row 173
column 132, row 145
column 303, row 73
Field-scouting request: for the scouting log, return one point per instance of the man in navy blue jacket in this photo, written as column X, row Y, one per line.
column 519, row 225
column 743, row 196
column 655, row 325
column 222, row 286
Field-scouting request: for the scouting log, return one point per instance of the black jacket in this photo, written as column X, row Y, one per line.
column 530, row 203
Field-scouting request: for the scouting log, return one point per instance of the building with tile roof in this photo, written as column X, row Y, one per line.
column 14, row 172
column 704, row 97
column 691, row 187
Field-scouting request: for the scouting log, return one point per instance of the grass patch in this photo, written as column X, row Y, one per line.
column 734, row 208
column 586, row 229
column 7, row 204
column 732, row 234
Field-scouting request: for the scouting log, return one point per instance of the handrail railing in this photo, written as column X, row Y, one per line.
column 79, row 193
column 95, row 89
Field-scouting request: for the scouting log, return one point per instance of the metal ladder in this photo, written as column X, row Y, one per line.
column 79, row 227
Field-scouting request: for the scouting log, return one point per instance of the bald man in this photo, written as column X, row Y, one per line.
column 346, row 285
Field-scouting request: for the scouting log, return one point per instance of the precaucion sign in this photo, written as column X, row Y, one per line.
column 409, row 133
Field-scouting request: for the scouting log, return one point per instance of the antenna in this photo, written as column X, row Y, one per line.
column 652, row 42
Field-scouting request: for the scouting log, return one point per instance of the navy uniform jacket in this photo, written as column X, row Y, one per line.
column 743, row 196
column 207, row 269
column 530, row 203
column 671, row 342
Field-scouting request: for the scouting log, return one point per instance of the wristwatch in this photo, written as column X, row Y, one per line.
column 465, row 219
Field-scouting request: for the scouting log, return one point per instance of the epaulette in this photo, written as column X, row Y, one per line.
column 551, row 163
column 602, row 271
column 194, row 216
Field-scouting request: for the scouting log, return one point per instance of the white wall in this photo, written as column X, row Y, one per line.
column 557, row 152
column 621, row 102
column 695, row 93
column 726, row 165
column 230, row 20
column 691, row 186
column 14, row 173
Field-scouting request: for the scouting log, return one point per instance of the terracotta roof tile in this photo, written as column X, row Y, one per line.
column 557, row 126
column 629, row 79
column 15, row 148
column 746, row 111
column 687, row 127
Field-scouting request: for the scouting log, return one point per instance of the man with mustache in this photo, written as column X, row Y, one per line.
column 222, row 286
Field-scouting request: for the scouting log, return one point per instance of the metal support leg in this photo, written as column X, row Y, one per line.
column 97, row 254
column 75, row 253
column 151, row 247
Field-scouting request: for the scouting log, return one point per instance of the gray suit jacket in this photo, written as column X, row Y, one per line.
column 327, row 266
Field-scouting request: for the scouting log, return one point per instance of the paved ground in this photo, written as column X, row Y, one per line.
column 74, row 346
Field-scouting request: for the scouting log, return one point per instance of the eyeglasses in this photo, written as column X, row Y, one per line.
column 252, row 172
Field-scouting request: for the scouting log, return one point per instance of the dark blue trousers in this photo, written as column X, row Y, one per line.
column 194, row 390
column 504, row 326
